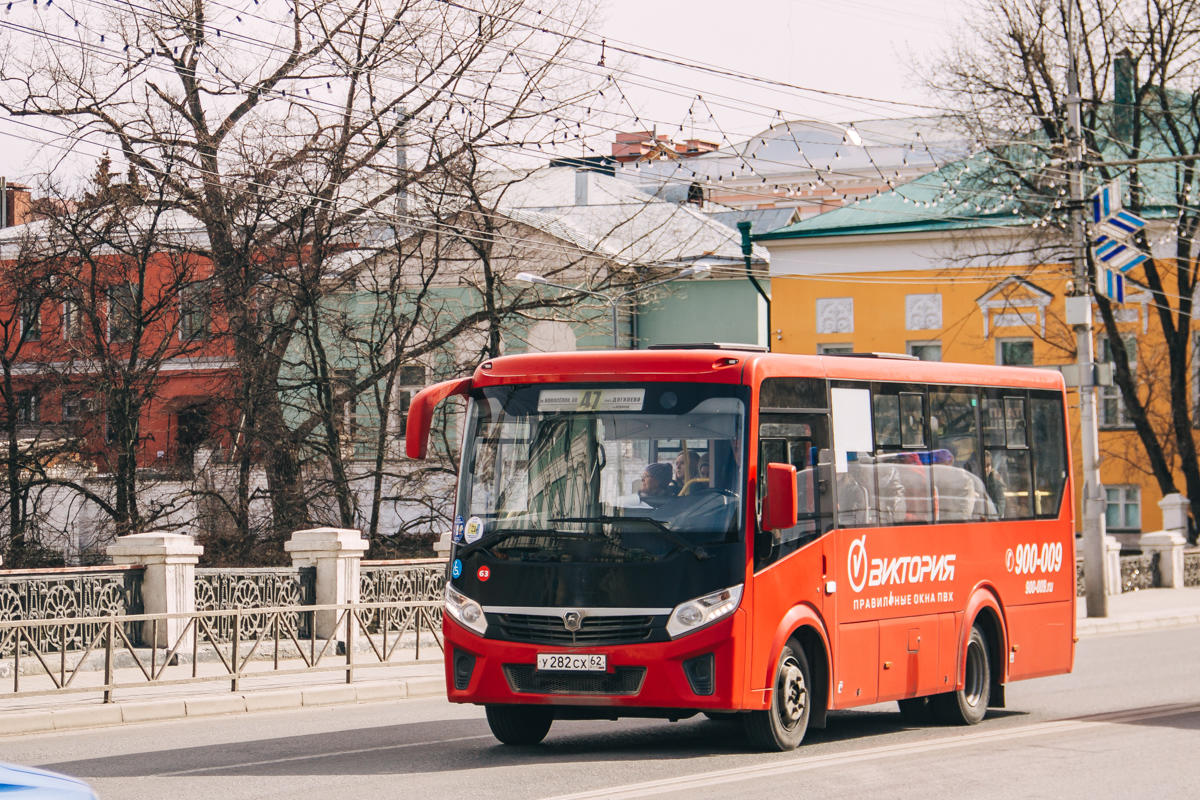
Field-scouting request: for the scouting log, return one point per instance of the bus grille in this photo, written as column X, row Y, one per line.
column 525, row 679
column 539, row 629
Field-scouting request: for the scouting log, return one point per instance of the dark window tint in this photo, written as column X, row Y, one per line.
column 792, row 393
column 1050, row 465
column 957, row 470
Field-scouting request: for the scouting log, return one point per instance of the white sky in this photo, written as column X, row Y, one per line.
column 859, row 47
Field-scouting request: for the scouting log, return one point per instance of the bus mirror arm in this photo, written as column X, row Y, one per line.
column 420, row 414
column 780, row 505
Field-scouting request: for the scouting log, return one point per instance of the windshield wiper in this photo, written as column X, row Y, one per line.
column 657, row 525
column 500, row 536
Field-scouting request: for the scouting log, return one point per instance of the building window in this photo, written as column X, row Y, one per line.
column 31, row 320
column 1014, row 352
column 76, row 407
column 195, row 311
column 926, row 351
column 1110, row 406
column 410, row 379
column 345, row 409
column 834, row 349
column 122, row 312
column 1123, row 508
column 72, row 315
column 27, row 408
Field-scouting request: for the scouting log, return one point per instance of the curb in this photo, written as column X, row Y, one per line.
column 1108, row 626
column 83, row 717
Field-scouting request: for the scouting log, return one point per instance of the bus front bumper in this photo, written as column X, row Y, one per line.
column 700, row 671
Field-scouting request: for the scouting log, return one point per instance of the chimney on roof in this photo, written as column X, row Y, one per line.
column 15, row 210
column 582, row 176
column 1124, row 80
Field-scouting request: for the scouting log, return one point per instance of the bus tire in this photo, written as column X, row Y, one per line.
column 782, row 726
column 968, row 705
column 513, row 724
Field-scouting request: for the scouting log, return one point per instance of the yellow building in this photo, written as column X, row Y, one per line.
column 903, row 272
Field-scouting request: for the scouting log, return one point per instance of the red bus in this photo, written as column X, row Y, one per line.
column 762, row 536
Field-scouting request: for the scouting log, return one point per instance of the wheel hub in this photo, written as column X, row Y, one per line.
column 793, row 694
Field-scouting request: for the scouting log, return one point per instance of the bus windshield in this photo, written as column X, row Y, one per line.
column 617, row 472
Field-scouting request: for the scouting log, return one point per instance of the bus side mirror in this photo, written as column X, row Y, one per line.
column 420, row 414
column 780, row 504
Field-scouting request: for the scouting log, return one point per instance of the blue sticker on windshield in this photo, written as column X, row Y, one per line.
column 459, row 526
column 456, row 568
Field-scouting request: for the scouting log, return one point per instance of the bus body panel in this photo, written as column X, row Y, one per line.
column 1041, row 639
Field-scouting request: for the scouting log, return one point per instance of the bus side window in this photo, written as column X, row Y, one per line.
column 901, row 468
column 795, row 439
column 957, row 471
column 1050, row 460
column 1006, row 467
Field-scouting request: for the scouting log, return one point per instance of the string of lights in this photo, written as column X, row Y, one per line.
column 762, row 178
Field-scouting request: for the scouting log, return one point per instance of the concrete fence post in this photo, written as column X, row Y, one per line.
column 169, row 580
column 1175, row 509
column 1112, row 555
column 336, row 553
column 1170, row 541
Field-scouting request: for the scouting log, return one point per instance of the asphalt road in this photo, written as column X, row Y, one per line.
column 1125, row 724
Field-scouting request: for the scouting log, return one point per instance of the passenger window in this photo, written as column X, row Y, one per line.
column 1007, row 469
column 887, row 420
column 801, row 440
column 1014, row 421
column 1050, row 462
column 993, row 422
column 957, row 482
column 912, row 420
column 897, row 474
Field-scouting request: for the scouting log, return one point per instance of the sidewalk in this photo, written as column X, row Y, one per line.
column 268, row 692
column 1144, row 610
column 1133, row 611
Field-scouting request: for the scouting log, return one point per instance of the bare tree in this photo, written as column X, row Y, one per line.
column 1139, row 64
column 277, row 137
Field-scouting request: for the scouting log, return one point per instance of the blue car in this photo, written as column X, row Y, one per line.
column 28, row 783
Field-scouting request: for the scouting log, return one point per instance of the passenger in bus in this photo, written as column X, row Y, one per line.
column 656, row 485
column 892, row 506
column 853, row 496
column 687, row 473
column 995, row 483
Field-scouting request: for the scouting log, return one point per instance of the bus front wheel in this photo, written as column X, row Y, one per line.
column 782, row 726
column 968, row 705
column 520, row 724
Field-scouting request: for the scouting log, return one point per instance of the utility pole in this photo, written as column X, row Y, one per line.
column 1079, row 315
column 401, row 167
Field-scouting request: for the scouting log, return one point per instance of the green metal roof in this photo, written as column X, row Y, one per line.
column 979, row 192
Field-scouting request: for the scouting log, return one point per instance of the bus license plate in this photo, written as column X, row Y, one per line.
column 572, row 662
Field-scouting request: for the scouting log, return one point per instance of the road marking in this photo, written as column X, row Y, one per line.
column 757, row 771
column 314, row 756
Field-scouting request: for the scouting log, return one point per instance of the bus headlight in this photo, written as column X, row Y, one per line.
column 465, row 610
column 702, row 611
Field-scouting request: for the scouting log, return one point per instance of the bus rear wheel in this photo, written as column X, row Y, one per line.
column 782, row 726
column 968, row 705
column 520, row 724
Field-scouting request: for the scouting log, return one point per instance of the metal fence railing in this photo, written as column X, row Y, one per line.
column 362, row 636
column 82, row 592
column 252, row 588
